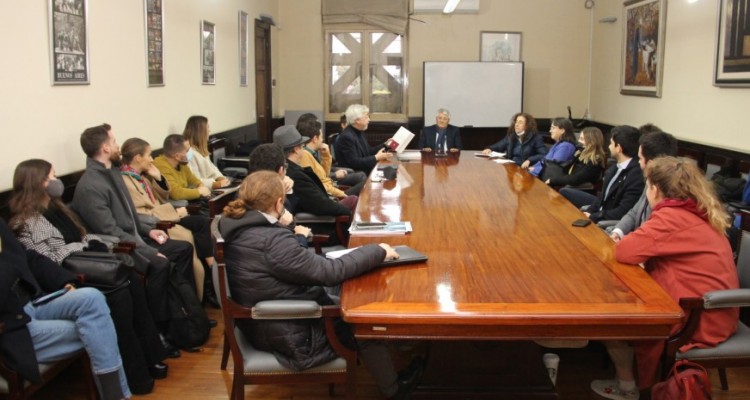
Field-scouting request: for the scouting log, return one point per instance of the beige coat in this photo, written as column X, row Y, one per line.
column 165, row 212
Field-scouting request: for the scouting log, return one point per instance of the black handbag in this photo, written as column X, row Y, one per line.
column 101, row 270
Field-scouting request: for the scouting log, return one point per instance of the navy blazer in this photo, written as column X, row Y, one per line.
column 533, row 149
column 429, row 135
column 624, row 193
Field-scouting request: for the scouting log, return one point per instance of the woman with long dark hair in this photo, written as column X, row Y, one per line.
column 561, row 131
column 588, row 162
column 196, row 133
column 44, row 224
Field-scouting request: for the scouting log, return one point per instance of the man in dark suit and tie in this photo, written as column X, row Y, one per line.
column 442, row 136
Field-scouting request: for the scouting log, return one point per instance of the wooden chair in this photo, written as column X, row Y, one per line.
column 252, row 366
column 17, row 388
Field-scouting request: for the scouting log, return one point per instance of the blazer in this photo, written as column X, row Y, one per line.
column 623, row 194
column 532, row 149
column 429, row 135
column 309, row 194
column 353, row 151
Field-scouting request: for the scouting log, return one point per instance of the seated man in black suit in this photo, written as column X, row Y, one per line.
column 623, row 182
column 352, row 149
column 442, row 136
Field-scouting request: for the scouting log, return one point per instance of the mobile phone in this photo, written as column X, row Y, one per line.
column 581, row 222
column 49, row 297
column 371, row 224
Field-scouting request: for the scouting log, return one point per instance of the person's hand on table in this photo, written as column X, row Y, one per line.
column 454, row 150
column 427, row 149
column 486, row 152
column 221, row 182
column 204, row 191
column 383, row 155
column 390, row 254
column 525, row 164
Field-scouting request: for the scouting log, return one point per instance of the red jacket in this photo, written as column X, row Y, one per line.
column 687, row 258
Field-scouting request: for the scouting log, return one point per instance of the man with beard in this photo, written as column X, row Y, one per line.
column 103, row 203
column 173, row 165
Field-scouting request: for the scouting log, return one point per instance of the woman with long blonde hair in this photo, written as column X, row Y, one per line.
column 588, row 162
column 196, row 133
column 683, row 246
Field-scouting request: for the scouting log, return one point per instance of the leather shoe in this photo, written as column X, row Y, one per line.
column 408, row 379
column 171, row 350
column 212, row 323
column 209, row 297
column 158, row 370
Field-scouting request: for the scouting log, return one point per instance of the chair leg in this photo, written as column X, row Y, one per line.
column 723, row 379
column 351, row 382
column 238, row 389
column 225, row 353
column 331, row 389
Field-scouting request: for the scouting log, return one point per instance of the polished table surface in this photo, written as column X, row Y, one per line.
column 505, row 263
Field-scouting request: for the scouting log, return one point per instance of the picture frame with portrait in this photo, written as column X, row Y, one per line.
column 154, row 14
column 500, row 46
column 732, row 67
column 643, row 33
column 208, row 47
column 69, row 46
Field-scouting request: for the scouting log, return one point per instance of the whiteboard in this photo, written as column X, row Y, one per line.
column 480, row 94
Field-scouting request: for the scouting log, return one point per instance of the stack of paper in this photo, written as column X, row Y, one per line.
column 364, row 228
column 410, row 155
column 493, row 154
column 400, row 140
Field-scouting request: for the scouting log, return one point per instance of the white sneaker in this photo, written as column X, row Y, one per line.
column 609, row 389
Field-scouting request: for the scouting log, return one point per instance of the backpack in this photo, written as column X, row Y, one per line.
column 686, row 381
column 188, row 326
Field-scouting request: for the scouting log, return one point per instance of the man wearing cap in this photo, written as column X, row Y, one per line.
column 309, row 191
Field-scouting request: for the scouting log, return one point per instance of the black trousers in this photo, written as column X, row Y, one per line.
column 201, row 228
column 179, row 255
column 137, row 335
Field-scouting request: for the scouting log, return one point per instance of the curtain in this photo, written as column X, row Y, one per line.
column 390, row 15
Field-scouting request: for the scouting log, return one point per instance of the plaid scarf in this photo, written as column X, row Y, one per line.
column 131, row 172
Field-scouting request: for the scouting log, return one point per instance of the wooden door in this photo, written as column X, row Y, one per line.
column 263, row 94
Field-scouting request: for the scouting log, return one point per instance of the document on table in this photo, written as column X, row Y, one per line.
column 365, row 228
column 493, row 154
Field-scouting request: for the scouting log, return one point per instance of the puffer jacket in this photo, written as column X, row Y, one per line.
column 266, row 262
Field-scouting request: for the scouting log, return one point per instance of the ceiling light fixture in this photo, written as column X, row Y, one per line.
column 450, row 6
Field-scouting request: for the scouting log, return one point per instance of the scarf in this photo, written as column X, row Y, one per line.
column 127, row 170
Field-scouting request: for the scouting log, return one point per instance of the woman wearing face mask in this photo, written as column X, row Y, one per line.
column 522, row 144
column 173, row 165
column 44, row 224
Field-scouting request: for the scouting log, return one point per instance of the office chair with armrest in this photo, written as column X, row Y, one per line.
column 734, row 352
column 252, row 366
column 339, row 222
column 17, row 388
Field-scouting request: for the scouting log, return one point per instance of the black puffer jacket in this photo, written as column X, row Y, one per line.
column 265, row 262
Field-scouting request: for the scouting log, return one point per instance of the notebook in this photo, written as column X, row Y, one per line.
column 406, row 254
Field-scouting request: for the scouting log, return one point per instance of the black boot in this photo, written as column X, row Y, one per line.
column 109, row 384
column 209, row 294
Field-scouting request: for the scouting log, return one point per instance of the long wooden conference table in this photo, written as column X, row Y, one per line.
column 505, row 264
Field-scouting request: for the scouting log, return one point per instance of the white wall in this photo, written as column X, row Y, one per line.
column 691, row 108
column 555, row 47
column 44, row 121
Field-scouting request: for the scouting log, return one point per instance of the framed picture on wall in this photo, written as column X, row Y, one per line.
column 243, row 48
column 500, row 46
column 208, row 46
column 69, row 49
column 732, row 66
column 644, row 23
column 155, row 42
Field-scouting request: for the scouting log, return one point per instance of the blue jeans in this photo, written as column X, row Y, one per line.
column 78, row 319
